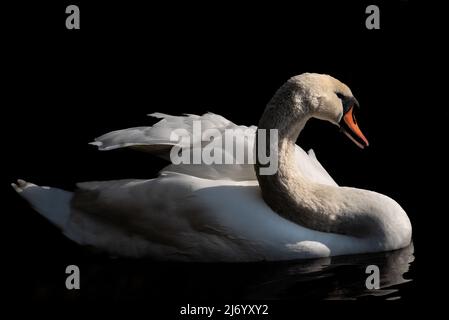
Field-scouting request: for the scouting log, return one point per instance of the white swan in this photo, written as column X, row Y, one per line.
column 227, row 212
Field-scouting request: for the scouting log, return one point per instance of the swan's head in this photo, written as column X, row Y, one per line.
column 329, row 99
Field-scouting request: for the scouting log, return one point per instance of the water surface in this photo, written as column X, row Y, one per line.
column 333, row 278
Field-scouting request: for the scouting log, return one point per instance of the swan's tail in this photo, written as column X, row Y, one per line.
column 52, row 203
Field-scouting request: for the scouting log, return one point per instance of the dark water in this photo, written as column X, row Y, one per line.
column 332, row 278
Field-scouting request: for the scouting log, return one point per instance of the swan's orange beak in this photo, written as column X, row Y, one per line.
column 350, row 128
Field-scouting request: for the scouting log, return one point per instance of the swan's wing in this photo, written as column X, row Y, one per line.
column 309, row 165
column 158, row 140
column 150, row 211
column 163, row 217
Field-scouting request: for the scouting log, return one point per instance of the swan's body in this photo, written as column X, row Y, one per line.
column 218, row 212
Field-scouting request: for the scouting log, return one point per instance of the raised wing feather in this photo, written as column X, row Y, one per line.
column 158, row 140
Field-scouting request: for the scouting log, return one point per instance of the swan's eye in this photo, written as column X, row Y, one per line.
column 339, row 95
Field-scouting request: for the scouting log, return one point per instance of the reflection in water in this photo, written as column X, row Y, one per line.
column 339, row 277
column 329, row 278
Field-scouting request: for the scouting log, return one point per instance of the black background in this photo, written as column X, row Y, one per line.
column 65, row 87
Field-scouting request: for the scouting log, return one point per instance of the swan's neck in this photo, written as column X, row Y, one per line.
column 288, row 192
